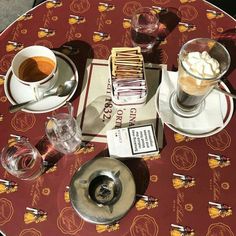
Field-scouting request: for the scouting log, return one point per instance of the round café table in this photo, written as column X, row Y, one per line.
column 83, row 29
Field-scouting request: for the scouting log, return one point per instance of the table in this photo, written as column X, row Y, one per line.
column 53, row 24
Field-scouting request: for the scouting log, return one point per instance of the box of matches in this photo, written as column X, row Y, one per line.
column 135, row 141
column 127, row 74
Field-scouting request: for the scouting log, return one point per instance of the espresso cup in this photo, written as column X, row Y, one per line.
column 36, row 67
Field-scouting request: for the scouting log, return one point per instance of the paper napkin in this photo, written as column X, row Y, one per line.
column 210, row 118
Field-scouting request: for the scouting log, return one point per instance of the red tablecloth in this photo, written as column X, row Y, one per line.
column 54, row 25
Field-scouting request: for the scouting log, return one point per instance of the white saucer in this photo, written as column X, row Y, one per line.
column 17, row 92
column 227, row 107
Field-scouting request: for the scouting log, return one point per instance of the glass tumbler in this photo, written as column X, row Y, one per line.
column 21, row 159
column 144, row 28
column 64, row 133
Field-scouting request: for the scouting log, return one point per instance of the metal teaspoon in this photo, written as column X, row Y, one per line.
column 62, row 90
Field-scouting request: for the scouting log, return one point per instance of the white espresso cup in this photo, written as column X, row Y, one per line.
column 36, row 67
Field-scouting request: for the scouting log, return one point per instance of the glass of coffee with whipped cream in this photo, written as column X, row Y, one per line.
column 202, row 62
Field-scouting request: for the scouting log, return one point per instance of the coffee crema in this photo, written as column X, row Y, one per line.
column 36, row 68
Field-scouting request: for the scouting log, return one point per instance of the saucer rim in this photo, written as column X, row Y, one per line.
column 226, row 119
column 75, row 73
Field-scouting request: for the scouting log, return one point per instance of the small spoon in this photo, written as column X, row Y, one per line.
column 217, row 88
column 62, row 90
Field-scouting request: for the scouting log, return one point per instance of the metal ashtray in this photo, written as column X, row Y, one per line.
column 102, row 190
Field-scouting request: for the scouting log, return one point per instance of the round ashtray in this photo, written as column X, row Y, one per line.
column 102, row 191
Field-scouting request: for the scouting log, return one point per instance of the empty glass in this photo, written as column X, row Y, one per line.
column 63, row 132
column 21, row 159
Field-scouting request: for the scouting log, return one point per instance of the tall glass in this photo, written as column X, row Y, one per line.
column 63, row 132
column 192, row 89
column 144, row 28
column 21, row 159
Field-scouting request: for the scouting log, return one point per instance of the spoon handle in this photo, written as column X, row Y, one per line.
column 17, row 107
column 225, row 92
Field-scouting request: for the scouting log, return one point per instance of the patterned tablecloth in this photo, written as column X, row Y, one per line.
column 84, row 29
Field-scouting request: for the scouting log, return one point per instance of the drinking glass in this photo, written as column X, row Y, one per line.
column 188, row 99
column 63, row 132
column 21, row 159
column 144, row 28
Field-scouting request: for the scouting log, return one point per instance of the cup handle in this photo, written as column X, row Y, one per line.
column 36, row 93
column 217, row 88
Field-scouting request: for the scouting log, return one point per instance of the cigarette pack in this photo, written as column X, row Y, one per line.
column 134, row 141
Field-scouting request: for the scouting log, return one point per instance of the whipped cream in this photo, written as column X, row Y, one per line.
column 201, row 65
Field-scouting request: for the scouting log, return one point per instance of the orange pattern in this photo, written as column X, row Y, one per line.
column 6, row 212
column 23, row 121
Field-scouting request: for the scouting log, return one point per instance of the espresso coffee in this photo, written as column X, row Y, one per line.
column 188, row 102
column 36, row 68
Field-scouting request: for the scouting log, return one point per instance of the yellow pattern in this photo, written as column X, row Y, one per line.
column 53, row 3
column 1, row 80
column 180, row 138
column 184, row 27
column 11, row 142
column 215, row 212
column 72, row 21
column 3, row 188
column 67, row 196
column 76, row 19
column 143, row 204
column 175, row 232
column 126, row 23
column 214, row 15
column 178, row 183
column 98, row 36
column 86, row 149
column 151, row 158
column 26, row 16
column 13, row 46
column 7, row 189
column 30, row 217
column 213, row 163
column 105, row 7
column 101, row 8
column 42, row 33
column 52, row 169
column 108, row 228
